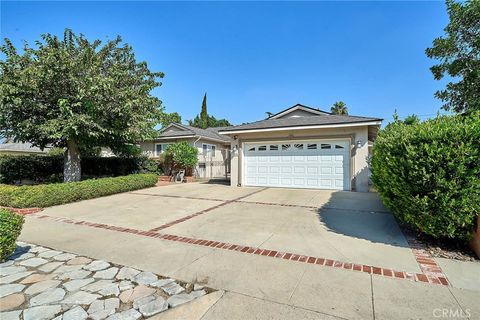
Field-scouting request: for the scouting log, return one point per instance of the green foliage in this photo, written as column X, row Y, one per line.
column 411, row 119
column 40, row 169
column 339, row 108
column 428, row 174
column 204, row 120
column 47, row 195
column 168, row 118
column 55, row 152
column 182, row 155
column 459, row 55
column 10, row 228
column 204, row 114
column 75, row 93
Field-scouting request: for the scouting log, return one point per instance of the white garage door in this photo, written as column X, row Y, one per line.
column 298, row 164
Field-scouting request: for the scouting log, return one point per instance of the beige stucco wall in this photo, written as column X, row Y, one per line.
column 359, row 166
column 214, row 166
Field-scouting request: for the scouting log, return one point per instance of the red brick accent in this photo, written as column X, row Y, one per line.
column 193, row 215
column 426, row 262
column 421, row 277
column 22, row 211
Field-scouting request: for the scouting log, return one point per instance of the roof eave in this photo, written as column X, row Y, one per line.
column 304, row 127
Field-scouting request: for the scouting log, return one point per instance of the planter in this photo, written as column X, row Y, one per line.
column 167, row 178
column 475, row 242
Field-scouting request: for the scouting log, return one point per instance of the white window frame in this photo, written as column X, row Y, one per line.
column 210, row 148
column 164, row 147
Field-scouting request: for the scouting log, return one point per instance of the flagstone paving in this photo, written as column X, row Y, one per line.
column 38, row 283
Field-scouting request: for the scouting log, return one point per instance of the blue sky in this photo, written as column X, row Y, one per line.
column 253, row 57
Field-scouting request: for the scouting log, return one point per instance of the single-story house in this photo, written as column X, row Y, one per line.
column 303, row 147
column 213, row 148
column 10, row 147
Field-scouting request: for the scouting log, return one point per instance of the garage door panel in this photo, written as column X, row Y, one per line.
column 322, row 164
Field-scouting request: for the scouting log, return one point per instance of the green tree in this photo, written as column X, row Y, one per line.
column 204, row 114
column 339, row 108
column 76, row 94
column 458, row 53
column 168, row 118
column 204, row 120
column 411, row 119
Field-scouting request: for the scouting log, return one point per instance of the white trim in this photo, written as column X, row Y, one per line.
column 318, row 126
column 175, row 137
column 295, row 108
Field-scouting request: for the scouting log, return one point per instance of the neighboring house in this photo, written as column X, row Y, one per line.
column 213, row 148
column 18, row 148
column 303, row 147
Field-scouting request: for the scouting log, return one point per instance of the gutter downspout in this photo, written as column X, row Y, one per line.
column 195, row 145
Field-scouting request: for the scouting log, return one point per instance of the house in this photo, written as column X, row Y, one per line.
column 213, row 148
column 8, row 146
column 303, row 147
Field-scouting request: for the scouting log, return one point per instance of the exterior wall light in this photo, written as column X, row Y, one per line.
column 359, row 143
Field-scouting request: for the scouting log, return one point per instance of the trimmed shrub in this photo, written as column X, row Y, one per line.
column 49, row 168
column 10, row 228
column 181, row 155
column 59, row 193
column 428, row 174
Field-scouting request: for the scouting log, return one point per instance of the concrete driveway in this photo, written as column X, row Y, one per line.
column 303, row 253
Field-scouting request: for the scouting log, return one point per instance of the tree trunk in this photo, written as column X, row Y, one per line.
column 71, row 163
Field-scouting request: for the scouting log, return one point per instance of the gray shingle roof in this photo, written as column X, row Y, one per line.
column 20, row 147
column 210, row 133
column 300, row 121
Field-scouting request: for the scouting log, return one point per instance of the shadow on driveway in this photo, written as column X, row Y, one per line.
column 379, row 227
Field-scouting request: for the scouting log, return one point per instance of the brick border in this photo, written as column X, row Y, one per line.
column 193, row 215
column 23, row 211
column 427, row 263
column 385, row 272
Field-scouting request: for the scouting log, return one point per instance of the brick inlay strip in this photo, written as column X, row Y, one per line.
column 175, row 196
column 385, row 272
column 22, row 211
column 193, row 215
column 427, row 263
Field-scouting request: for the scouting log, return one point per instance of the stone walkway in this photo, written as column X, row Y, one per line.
column 38, row 283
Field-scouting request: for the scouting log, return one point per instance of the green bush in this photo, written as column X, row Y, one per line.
column 10, row 228
column 59, row 193
column 49, row 168
column 428, row 174
column 182, row 155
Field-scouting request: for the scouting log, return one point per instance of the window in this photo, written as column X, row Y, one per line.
column 299, row 146
column 160, row 148
column 337, row 146
column 286, row 146
column 273, row 147
column 208, row 148
column 312, row 146
column 251, row 149
column 262, row 148
column 326, row 146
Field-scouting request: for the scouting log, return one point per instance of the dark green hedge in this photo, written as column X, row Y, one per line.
column 10, row 228
column 48, row 168
column 47, row 195
column 428, row 174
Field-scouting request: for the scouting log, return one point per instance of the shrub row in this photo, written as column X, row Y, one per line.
column 428, row 174
column 49, row 168
column 59, row 193
column 10, row 228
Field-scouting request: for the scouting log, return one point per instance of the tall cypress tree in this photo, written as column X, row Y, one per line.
column 204, row 114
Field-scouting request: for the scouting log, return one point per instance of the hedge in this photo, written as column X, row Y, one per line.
column 428, row 174
column 49, row 168
column 10, row 228
column 47, row 195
